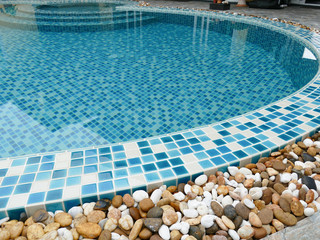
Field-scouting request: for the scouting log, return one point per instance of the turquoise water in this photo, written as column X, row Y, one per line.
column 153, row 74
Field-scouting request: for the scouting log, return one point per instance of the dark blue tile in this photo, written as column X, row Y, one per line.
column 47, row 158
column 219, row 142
column 149, row 167
column 134, row 161
column 9, row 180
column 181, row 170
column 143, row 144
column 104, row 150
column 27, row 178
column 166, row 139
column 145, row 151
column 54, row 195
column 163, row 164
column 161, row 156
column 23, row 188
column 193, row 140
column 118, row 148
column 176, row 161
column 186, row 150
column 105, row 158
column 46, row 167
column 212, row 152
column 218, row 161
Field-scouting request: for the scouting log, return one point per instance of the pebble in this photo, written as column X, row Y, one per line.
column 266, row 216
column 74, row 211
column 139, row 195
column 202, row 179
column 126, row 222
column 230, row 212
column 35, row 231
column 255, row 220
column 164, row 232
column 308, row 212
column 64, row 219
column 277, row 224
column 228, row 223
column 136, row 229
column 286, row 218
column 195, row 232
column 249, row 203
column 233, row 234
column 117, row 201
column 169, row 217
column 146, row 204
column 284, row 204
column 88, row 208
column 207, row 220
column 242, row 210
column 279, row 166
column 245, row 232
column 217, row 208
column 40, row 215
column 190, row 213
column 256, row 193
column 128, row 200
column 260, row 233
column 227, row 200
column 153, row 224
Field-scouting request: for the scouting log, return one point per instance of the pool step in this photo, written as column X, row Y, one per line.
column 132, row 19
column 97, row 18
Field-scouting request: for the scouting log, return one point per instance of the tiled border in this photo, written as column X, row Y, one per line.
column 62, row 180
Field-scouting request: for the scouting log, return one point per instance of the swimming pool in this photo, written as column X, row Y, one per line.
column 42, row 107
column 92, row 75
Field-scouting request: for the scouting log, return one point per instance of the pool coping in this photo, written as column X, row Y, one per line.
column 63, row 179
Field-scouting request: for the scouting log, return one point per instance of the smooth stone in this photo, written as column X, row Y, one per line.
column 237, row 222
column 308, row 212
column 284, row 204
column 279, row 166
column 277, row 224
column 266, row 216
column 230, row 212
column 302, row 194
column 217, row 208
column 229, row 224
column 175, row 235
column 126, row 222
column 279, row 188
column 74, row 211
column 219, row 237
column 190, row 213
column 145, row 234
column 89, row 230
column 169, row 217
column 207, row 220
column 242, row 210
column 146, row 204
column 117, row 201
column 202, row 179
column 40, row 215
column 309, row 182
column 256, row 193
column 164, row 232
column 128, row 200
column 285, row 218
column 23, row 217
column 139, row 195
column 53, row 235
column 297, row 208
column 16, row 229
column 233, row 234
column 105, row 235
column 249, row 203
column 245, row 232
column 35, row 231
column 136, row 229
column 64, row 219
column 259, row 233
column 113, row 213
column 134, row 212
column 213, row 229
column 255, row 220
column 153, row 224
column 155, row 237
column 195, row 232
column 307, row 157
column 267, row 196
column 155, row 212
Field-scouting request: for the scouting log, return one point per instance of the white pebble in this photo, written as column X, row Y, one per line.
column 175, row 226
column 295, row 193
column 235, row 202
column 233, row 234
column 156, row 196
column 250, row 176
column 226, row 174
column 187, row 188
column 179, row 196
column 139, row 195
column 122, row 207
column 184, row 227
column 179, row 216
column 308, row 142
column 305, row 187
column 317, row 144
column 123, row 237
column 294, row 176
column 257, row 177
column 304, row 204
column 57, row 211
column 284, row 161
column 298, row 163
column 316, row 195
column 190, row 213
column 207, row 220
column 164, row 232
column 249, row 203
column 74, row 211
column 318, row 185
column 202, row 210
column 219, row 198
column 202, row 179
column 88, row 208
column 115, row 236
column 292, row 187
column 193, row 204
column 233, row 183
column 233, row 170
column 256, row 193
column 163, row 187
column 308, row 212
column 243, row 192
column 245, row 223
column 295, row 156
column 317, row 205
column 287, row 191
column 207, row 201
column 3, row 220
column 285, row 177
column 227, row 200
column 214, row 194
column 245, row 171
column 309, row 164
column 272, row 178
column 125, row 212
column 184, row 237
column 208, row 187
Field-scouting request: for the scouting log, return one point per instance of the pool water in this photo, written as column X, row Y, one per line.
column 70, row 89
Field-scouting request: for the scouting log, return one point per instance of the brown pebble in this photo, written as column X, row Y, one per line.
column 309, row 196
column 134, row 212
column 221, row 180
column 284, row 204
column 285, row 218
column 266, row 216
column 117, row 201
column 156, row 237
column 164, row 201
column 279, row 166
column 145, row 234
column 175, row 235
column 297, row 208
column 267, row 196
column 128, row 200
column 136, row 229
column 105, row 235
column 217, row 208
column 279, row 188
column 259, row 233
column 172, row 189
column 242, row 211
column 212, row 178
column 146, row 204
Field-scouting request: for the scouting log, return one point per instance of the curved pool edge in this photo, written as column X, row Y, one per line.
column 60, row 181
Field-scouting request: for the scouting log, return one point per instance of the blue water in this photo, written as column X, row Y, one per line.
column 62, row 90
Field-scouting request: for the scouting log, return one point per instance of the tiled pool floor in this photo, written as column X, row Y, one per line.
column 64, row 179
